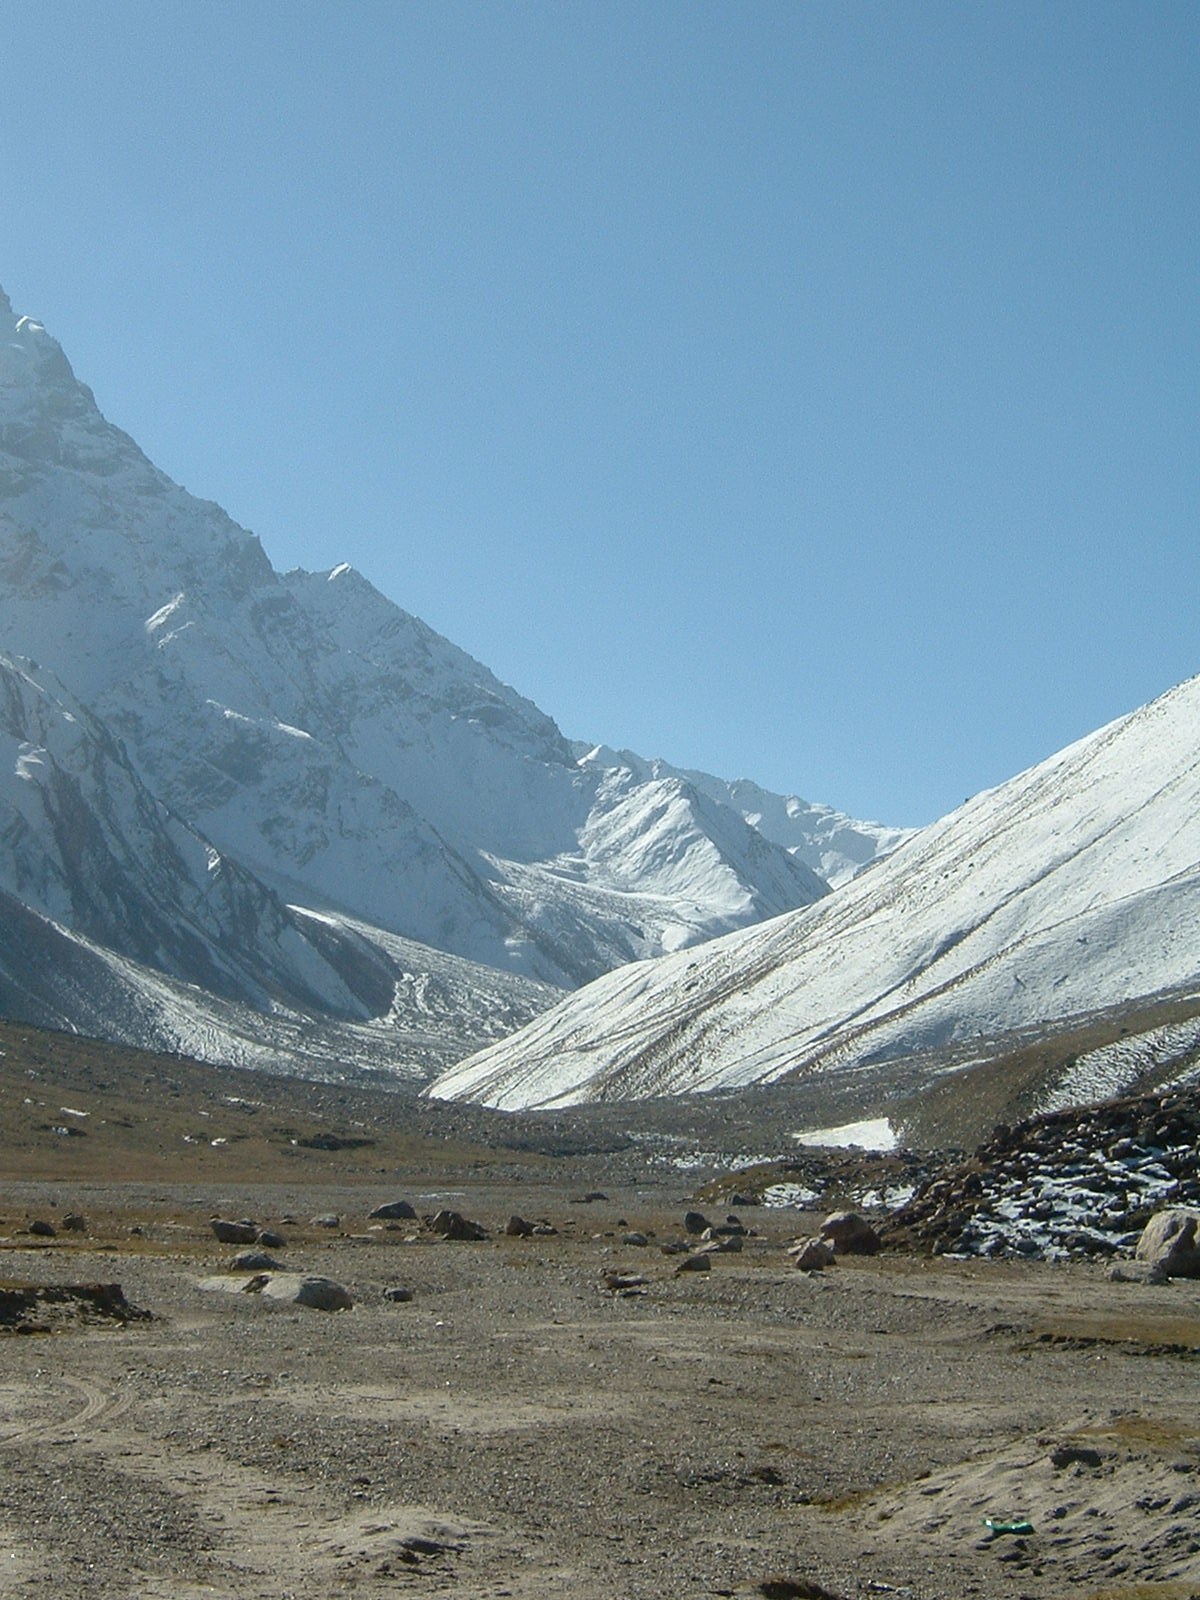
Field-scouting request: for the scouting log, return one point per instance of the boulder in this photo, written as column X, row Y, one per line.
column 320, row 1294
column 393, row 1211
column 695, row 1222
column 42, row 1229
column 812, row 1255
column 850, row 1234
column 270, row 1240
column 74, row 1223
column 234, row 1232
column 517, row 1228
column 453, row 1225
column 1171, row 1240
column 699, row 1263
column 1136, row 1272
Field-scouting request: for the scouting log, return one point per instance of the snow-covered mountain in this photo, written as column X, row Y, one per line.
column 834, row 845
column 1074, row 887
column 175, row 702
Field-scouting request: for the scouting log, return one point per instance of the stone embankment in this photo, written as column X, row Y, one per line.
column 1083, row 1181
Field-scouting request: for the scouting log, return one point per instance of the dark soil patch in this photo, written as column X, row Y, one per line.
column 44, row 1308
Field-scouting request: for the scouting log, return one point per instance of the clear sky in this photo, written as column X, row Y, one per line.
column 799, row 391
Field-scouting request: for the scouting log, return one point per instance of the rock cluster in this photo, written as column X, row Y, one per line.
column 1083, row 1181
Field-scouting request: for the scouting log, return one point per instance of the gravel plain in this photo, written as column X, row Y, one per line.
column 530, row 1422
column 518, row 1428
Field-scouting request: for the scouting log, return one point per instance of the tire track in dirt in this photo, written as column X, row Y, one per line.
column 96, row 1404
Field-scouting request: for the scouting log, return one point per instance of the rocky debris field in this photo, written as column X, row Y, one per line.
column 1075, row 1182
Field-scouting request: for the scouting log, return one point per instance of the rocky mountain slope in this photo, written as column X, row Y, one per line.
column 208, row 760
column 1074, row 887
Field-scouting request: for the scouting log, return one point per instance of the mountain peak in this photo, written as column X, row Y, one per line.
column 5, row 302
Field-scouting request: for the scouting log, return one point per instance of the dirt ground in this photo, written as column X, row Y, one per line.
column 517, row 1428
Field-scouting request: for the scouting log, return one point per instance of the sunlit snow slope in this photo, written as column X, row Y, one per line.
column 1072, row 887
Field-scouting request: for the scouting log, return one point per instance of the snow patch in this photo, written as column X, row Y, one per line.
column 29, row 757
column 876, row 1133
column 153, row 623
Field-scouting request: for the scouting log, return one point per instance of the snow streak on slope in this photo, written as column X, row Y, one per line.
column 1074, row 886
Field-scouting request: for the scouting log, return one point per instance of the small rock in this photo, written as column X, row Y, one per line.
column 398, row 1295
column 621, row 1282
column 394, row 1211
column 517, row 1228
column 1072, row 1455
column 270, row 1240
column 43, row 1230
column 721, row 1247
column 695, row 1222
column 330, row 1221
column 637, row 1239
column 786, row 1589
column 255, row 1261
column 74, row 1223
column 698, row 1263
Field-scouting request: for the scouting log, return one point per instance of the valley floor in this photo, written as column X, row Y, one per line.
column 518, row 1429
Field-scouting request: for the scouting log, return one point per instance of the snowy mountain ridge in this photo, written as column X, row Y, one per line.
column 831, row 843
column 332, row 753
column 1073, row 887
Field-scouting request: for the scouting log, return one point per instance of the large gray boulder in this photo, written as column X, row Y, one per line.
column 242, row 1232
column 850, row 1234
column 1171, row 1240
column 321, row 1294
column 288, row 1288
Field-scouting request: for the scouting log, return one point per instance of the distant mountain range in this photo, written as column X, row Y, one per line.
column 271, row 818
column 1070, row 891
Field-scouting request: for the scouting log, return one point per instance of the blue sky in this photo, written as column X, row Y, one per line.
column 805, row 392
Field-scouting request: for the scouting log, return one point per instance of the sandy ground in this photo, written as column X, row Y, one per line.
column 517, row 1429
